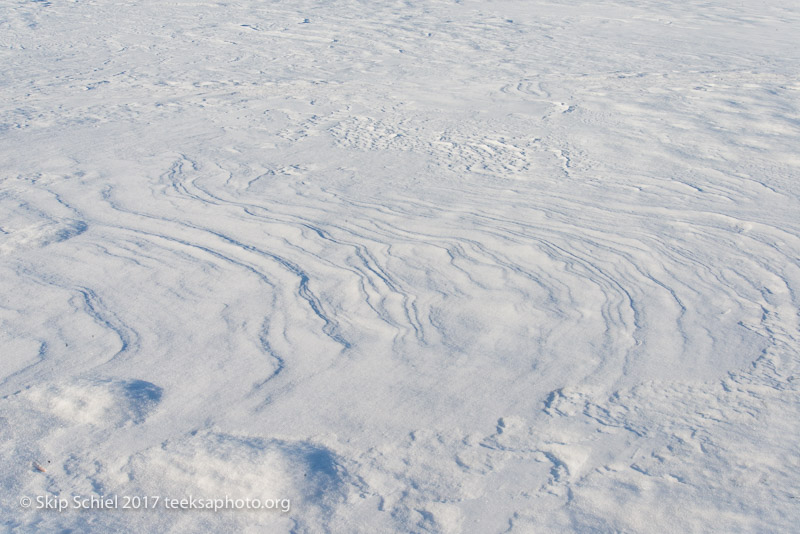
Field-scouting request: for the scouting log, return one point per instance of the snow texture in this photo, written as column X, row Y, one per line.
column 438, row 266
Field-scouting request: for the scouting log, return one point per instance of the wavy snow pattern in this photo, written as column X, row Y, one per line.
column 431, row 267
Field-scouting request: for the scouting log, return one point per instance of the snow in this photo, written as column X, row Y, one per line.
column 421, row 266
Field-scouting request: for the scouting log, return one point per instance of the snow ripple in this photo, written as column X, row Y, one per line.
column 441, row 267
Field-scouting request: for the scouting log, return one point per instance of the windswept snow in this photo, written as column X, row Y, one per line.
column 437, row 266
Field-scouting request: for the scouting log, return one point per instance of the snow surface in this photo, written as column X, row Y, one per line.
column 418, row 266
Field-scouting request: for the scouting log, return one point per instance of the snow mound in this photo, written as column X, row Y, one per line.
column 96, row 402
column 39, row 235
column 293, row 480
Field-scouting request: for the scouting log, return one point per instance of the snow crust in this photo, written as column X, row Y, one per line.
column 417, row 266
